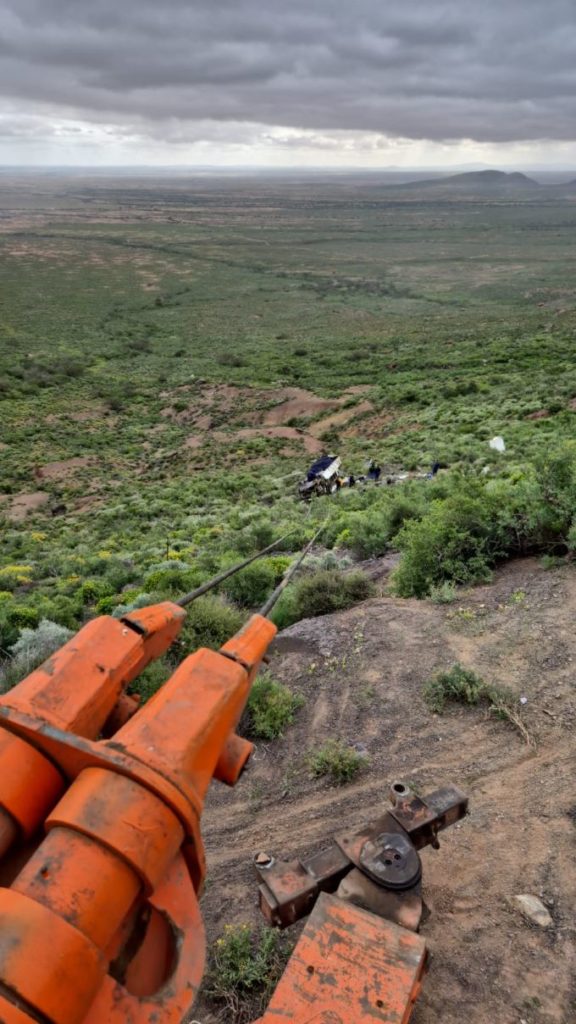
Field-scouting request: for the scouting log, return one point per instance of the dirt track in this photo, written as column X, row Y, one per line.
column 361, row 673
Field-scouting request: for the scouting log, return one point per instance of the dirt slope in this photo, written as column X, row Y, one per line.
column 361, row 673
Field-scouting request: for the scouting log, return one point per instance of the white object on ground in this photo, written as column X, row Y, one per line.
column 533, row 909
column 497, row 443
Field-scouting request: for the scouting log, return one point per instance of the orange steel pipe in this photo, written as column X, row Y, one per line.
column 82, row 882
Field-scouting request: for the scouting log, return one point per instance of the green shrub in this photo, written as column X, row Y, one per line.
column 270, row 709
column 459, row 684
column 339, row 762
column 106, row 605
column 456, row 540
column 243, row 970
column 33, row 646
column 13, row 618
column 481, row 520
column 135, row 602
column 251, row 586
column 321, row 593
column 173, row 579
column 462, row 686
column 151, row 679
column 14, row 576
column 210, row 622
column 443, row 593
column 366, row 532
column 551, row 562
column 92, row 590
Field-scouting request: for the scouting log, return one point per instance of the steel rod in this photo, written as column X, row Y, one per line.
column 205, row 587
column 269, row 604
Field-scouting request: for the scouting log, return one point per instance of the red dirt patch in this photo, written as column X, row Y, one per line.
column 338, row 419
column 540, row 414
column 298, row 403
column 194, row 441
column 62, row 470
column 370, row 427
column 358, row 389
column 22, row 504
column 311, row 444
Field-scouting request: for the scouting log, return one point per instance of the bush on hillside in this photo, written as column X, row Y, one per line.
column 14, row 618
column 321, row 593
column 151, row 679
column 336, row 761
column 210, row 622
column 243, row 969
column 481, row 521
column 456, row 540
column 33, row 646
column 270, row 709
column 251, row 586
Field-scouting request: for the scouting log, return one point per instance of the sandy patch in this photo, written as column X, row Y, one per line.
column 298, row 403
column 62, row 470
column 311, row 444
column 22, row 504
column 194, row 441
column 339, row 419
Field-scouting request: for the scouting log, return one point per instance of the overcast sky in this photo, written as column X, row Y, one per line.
column 317, row 82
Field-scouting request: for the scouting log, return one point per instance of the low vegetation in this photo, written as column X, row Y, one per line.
column 244, row 968
column 322, row 592
column 336, row 761
column 130, row 397
column 460, row 685
column 271, row 708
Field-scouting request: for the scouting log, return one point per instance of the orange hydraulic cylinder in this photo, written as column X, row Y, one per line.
column 109, row 840
column 76, row 690
column 183, row 730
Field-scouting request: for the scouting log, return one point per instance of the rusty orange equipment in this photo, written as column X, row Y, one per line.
column 102, row 856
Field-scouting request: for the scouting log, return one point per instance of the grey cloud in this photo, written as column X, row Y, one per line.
column 434, row 69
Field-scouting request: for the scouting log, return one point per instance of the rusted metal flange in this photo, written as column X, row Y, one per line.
column 391, row 860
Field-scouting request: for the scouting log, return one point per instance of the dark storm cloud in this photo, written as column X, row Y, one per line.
column 497, row 70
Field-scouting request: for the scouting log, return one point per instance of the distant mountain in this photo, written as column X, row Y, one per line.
column 490, row 178
column 478, row 180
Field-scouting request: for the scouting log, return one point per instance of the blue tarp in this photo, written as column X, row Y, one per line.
column 318, row 466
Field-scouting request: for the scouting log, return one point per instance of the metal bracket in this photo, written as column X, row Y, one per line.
column 384, row 852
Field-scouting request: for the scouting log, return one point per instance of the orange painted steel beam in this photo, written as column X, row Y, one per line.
column 123, row 862
column 349, row 967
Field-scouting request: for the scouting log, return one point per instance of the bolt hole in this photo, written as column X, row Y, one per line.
column 44, row 872
column 397, row 856
column 388, row 862
column 310, row 969
column 379, row 1004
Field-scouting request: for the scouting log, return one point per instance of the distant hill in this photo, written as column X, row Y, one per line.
column 491, row 178
column 477, row 180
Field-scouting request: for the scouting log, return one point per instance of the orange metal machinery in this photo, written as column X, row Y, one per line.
column 102, row 862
